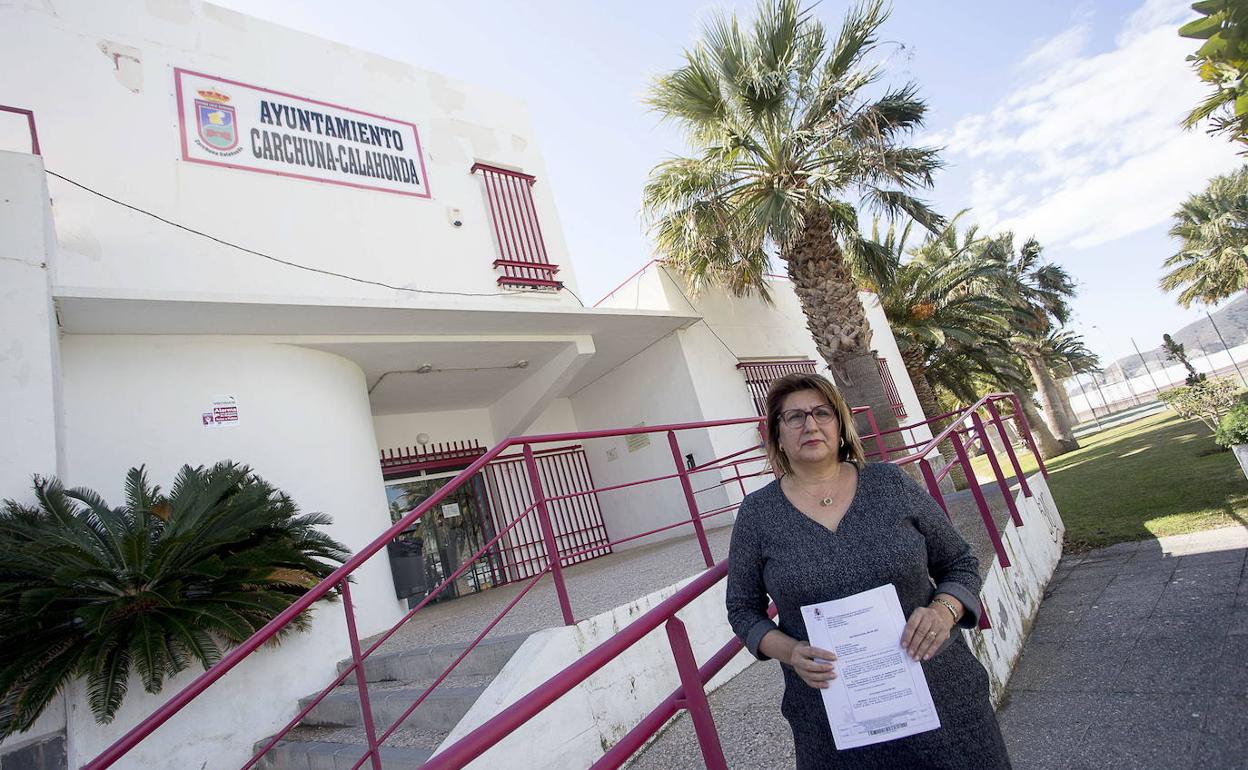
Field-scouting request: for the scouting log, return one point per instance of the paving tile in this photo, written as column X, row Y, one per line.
column 1054, row 624
column 1172, row 663
column 1237, row 620
column 1189, row 599
column 1235, row 556
column 1084, row 666
column 1034, row 665
column 1061, row 718
column 1119, row 620
column 1224, row 734
column 1141, row 731
column 1230, row 672
column 1132, row 592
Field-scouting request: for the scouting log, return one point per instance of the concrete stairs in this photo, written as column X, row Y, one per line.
column 331, row 736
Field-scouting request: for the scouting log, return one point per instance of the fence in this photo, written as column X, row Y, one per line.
column 1093, row 395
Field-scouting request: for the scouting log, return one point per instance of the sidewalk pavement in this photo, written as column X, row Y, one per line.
column 1138, row 659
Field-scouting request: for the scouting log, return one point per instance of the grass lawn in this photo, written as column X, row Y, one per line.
column 1160, row 475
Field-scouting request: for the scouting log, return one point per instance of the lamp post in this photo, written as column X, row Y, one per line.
column 1079, row 382
column 1156, row 387
column 1127, row 381
column 1224, row 347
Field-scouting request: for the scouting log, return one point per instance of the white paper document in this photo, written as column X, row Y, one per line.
column 879, row 693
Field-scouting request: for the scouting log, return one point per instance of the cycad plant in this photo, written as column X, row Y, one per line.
column 784, row 145
column 88, row 590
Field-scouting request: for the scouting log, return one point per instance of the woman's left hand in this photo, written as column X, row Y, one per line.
column 926, row 630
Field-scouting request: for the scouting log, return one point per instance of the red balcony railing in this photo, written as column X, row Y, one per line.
column 30, row 123
column 517, row 229
column 690, row 695
column 890, row 388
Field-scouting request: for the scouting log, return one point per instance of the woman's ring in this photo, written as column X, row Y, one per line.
column 931, row 633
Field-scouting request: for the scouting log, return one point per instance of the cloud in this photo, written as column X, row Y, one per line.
column 1087, row 148
column 1057, row 49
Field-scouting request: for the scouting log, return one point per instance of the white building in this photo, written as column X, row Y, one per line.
column 386, row 271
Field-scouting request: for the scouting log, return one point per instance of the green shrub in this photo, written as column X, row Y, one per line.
column 1233, row 430
column 157, row 584
column 1206, row 400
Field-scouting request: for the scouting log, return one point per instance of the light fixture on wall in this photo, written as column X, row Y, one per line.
column 422, row 438
column 427, row 368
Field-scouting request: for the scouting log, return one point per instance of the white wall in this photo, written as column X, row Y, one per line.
column 31, row 440
column 654, row 388
column 107, row 117
column 29, row 345
column 304, row 425
column 1013, row 595
column 400, row 430
column 559, row 417
column 599, row 712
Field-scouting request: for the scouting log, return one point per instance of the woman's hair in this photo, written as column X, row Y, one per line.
column 850, row 446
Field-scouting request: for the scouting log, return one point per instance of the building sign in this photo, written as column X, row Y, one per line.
column 227, row 123
column 222, row 414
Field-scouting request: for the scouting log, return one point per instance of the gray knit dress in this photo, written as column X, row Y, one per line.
column 893, row 532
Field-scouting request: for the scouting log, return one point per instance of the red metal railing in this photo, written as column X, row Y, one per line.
column 690, row 696
column 521, row 248
column 30, row 122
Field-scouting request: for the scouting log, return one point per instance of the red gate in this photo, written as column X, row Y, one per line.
column 576, row 518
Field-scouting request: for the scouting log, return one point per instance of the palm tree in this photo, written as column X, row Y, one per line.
column 91, row 591
column 781, row 136
column 1064, row 350
column 933, row 297
column 1212, row 227
column 1039, row 292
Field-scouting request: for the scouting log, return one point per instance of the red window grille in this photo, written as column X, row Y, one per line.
column 760, row 374
column 522, row 252
column 890, row 388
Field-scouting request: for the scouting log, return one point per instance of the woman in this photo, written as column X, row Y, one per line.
column 832, row 526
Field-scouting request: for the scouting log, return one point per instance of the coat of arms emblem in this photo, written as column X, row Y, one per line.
column 215, row 120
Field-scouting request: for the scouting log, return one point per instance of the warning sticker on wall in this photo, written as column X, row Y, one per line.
column 223, row 414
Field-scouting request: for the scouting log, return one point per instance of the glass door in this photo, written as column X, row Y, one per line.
column 444, row 538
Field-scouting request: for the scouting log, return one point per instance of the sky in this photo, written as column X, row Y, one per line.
column 1060, row 120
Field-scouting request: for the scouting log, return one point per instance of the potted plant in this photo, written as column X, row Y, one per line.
column 1232, row 432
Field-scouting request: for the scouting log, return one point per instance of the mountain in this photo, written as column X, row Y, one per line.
column 1196, row 338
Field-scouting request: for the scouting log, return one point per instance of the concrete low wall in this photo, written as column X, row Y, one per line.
column 582, row 725
column 1012, row 596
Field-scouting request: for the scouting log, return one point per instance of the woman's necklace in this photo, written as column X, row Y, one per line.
column 826, row 500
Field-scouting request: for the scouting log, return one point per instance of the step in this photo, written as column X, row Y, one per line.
column 442, row 710
column 488, row 657
column 320, row 755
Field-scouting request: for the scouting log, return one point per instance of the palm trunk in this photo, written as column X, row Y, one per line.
column 1046, row 389
column 1045, row 442
column 837, row 321
column 1064, row 398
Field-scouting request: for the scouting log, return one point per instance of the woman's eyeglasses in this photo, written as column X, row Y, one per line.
column 796, row 418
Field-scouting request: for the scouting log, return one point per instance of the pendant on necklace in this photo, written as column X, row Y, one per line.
column 826, row 501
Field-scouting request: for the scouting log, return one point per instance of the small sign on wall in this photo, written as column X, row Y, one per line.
column 450, row 511
column 222, row 414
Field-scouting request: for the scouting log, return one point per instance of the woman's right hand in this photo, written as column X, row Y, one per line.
column 812, row 664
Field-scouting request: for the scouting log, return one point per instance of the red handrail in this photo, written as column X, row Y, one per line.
column 690, row 694
column 554, row 556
